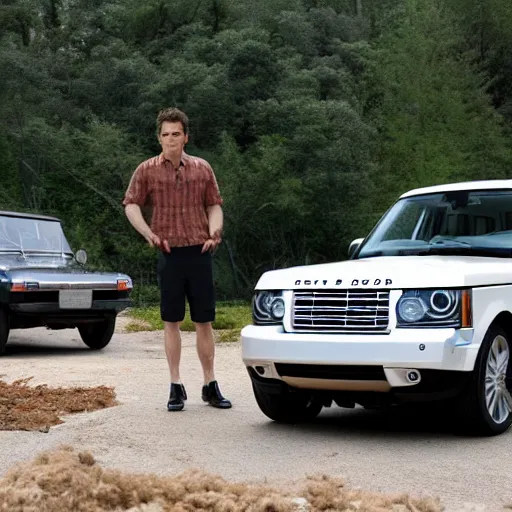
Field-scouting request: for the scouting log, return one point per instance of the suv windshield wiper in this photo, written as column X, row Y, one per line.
column 445, row 247
column 440, row 249
column 460, row 247
column 440, row 246
column 449, row 242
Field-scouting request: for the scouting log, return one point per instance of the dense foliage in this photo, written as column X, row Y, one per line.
column 315, row 114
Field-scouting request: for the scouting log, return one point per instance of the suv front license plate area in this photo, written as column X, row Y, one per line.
column 75, row 299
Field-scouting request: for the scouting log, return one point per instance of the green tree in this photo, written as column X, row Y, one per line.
column 487, row 29
column 435, row 118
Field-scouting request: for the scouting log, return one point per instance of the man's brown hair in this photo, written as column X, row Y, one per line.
column 172, row 115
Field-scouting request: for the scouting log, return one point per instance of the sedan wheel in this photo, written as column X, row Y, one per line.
column 97, row 335
column 4, row 330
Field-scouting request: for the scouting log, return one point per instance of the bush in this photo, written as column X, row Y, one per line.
column 145, row 295
column 230, row 316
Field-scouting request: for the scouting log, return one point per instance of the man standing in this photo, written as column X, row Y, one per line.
column 186, row 226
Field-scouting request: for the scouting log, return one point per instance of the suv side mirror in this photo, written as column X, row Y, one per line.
column 81, row 257
column 354, row 245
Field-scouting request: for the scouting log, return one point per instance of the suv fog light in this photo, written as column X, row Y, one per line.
column 413, row 376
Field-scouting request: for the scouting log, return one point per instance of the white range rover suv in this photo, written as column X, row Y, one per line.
column 421, row 311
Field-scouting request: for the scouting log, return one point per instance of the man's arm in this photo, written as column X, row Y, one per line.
column 215, row 220
column 136, row 219
column 215, row 224
column 134, row 214
column 213, row 203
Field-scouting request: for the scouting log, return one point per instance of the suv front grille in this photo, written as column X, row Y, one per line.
column 341, row 310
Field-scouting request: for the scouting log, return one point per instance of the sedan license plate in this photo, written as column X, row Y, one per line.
column 75, row 299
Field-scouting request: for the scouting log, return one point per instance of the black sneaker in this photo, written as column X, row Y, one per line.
column 177, row 397
column 211, row 394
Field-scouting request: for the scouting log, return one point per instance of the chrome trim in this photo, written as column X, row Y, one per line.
column 340, row 311
column 25, row 215
column 70, row 286
column 67, row 280
column 35, row 252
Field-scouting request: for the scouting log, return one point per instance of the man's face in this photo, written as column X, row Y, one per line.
column 172, row 137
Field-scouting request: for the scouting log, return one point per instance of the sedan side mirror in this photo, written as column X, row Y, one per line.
column 81, row 257
column 354, row 245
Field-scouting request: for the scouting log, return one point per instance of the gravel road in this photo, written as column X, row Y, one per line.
column 370, row 450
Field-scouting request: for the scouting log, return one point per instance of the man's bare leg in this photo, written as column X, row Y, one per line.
column 206, row 350
column 172, row 339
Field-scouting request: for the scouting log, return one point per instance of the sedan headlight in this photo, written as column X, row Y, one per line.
column 431, row 308
column 268, row 307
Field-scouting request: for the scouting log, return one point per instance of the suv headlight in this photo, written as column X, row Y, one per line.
column 431, row 308
column 268, row 307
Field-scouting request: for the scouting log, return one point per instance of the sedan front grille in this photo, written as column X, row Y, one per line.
column 341, row 310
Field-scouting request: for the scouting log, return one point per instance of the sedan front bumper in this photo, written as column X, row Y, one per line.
column 53, row 308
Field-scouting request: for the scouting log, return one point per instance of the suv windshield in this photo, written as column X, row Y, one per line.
column 32, row 235
column 461, row 222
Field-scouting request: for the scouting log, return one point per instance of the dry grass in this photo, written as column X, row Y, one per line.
column 227, row 335
column 64, row 480
column 228, row 316
column 137, row 325
column 325, row 493
column 23, row 407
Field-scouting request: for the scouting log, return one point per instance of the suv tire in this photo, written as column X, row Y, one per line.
column 287, row 407
column 486, row 404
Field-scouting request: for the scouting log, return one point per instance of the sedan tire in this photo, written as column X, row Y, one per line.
column 4, row 330
column 97, row 335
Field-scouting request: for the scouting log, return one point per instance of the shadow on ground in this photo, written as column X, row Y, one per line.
column 38, row 348
column 414, row 421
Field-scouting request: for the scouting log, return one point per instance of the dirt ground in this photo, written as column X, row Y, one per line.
column 129, row 444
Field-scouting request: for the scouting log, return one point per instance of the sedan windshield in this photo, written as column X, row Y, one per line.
column 476, row 222
column 32, row 235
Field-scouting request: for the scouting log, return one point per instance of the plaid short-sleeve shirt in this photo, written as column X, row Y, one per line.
column 179, row 197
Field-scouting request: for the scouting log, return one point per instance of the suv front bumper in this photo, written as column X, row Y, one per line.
column 372, row 362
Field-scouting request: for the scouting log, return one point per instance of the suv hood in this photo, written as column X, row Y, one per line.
column 393, row 272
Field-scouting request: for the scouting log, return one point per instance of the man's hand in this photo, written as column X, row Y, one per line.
column 137, row 221
column 213, row 242
column 156, row 241
column 217, row 235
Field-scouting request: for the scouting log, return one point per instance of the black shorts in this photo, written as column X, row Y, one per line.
column 185, row 273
